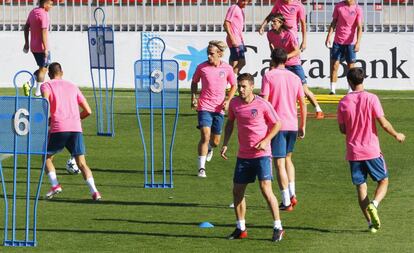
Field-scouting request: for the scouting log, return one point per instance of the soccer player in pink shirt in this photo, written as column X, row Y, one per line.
column 346, row 22
column 283, row 89
column 38, row 25
column 294, row 13
column 65, row 127
column 233, row 25
column 357, row 113
column 215, row 75
column 257, row 124
column 280, row 37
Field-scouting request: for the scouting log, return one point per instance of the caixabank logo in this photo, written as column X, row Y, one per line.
column 390, row 65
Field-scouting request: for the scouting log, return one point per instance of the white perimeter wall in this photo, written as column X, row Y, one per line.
column 387, row 58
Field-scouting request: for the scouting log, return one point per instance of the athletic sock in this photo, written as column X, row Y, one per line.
column 375, row 203
column 277, row 224
column 292, row 190
column 318, row 108
column 202, row 162
column 285, row 197
column 52, row 178
column 241, row 224
column 333, row 86
column 91, row 183
column 37, row 92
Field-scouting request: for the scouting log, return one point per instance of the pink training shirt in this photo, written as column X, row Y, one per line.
column 235, row 15
column 287, row 41
column 254, row 121
column 358, row 112
column 347, row 20
column 64, row 99
column 292, row 11
column 214, row 81
column 284, row 88
column 38, row 20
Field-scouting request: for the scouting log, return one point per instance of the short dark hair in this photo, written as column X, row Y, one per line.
column 42, row 2
column 279, row 56
column 246, row 76
column 54, row 69
column 355, row 76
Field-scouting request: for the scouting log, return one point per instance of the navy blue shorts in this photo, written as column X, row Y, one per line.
column 283, row 143
column 237, row 53
column 343, row 52
column 376, row 168
column 246, row 170
column 298, row 70
column 41, row 60
column 213, row 120
column 72, row 141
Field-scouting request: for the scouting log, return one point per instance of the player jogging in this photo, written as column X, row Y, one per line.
column 294, row 13
column 357, row 113
column 233, row 25
column 65, row 127
column 283, row 89
column 214, row 75
column 346, row 21
column 37, row 25
column 257, row 124
column 281, row 37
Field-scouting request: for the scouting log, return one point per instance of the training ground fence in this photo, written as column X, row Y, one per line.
column 197, row 15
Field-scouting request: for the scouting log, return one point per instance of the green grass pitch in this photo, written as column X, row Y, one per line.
column 133, row 219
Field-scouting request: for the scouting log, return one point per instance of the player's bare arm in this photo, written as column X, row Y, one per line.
column 386, row 125
column 227, row 134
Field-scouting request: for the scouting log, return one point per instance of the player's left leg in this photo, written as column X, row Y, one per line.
column 76, row 147
column 377, row 169
column 215, row 136
column 240, row 211
column 290, row 171
column 237, row 58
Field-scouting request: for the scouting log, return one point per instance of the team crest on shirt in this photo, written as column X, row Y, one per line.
column 222, row 74
column 352, row 13
column 292, row 10
column 283, row 40
column 253, row 112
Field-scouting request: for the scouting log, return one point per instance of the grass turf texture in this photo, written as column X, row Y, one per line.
column 133, row 219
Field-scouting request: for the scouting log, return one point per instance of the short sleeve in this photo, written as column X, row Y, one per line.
column 301, row 93
column 231, row 116
column 44, row 21
column 45, row 87
column 265, row 90
column 269, row 113
column 231, row 77
column 231, row 12
column 301, row 12
column 80, row 96
column 377, row 108
column 360, row 16
column 197, row 75
column 335, row 12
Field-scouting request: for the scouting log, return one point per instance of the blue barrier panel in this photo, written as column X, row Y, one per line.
column 156, row 90
column 102, row 67
column 23, row 132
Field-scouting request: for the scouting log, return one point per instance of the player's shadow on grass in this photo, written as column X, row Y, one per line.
column 143, row 203
column 177, row 223
column 112, row 232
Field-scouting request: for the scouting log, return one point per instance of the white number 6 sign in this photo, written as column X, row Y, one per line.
column 21, row 120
